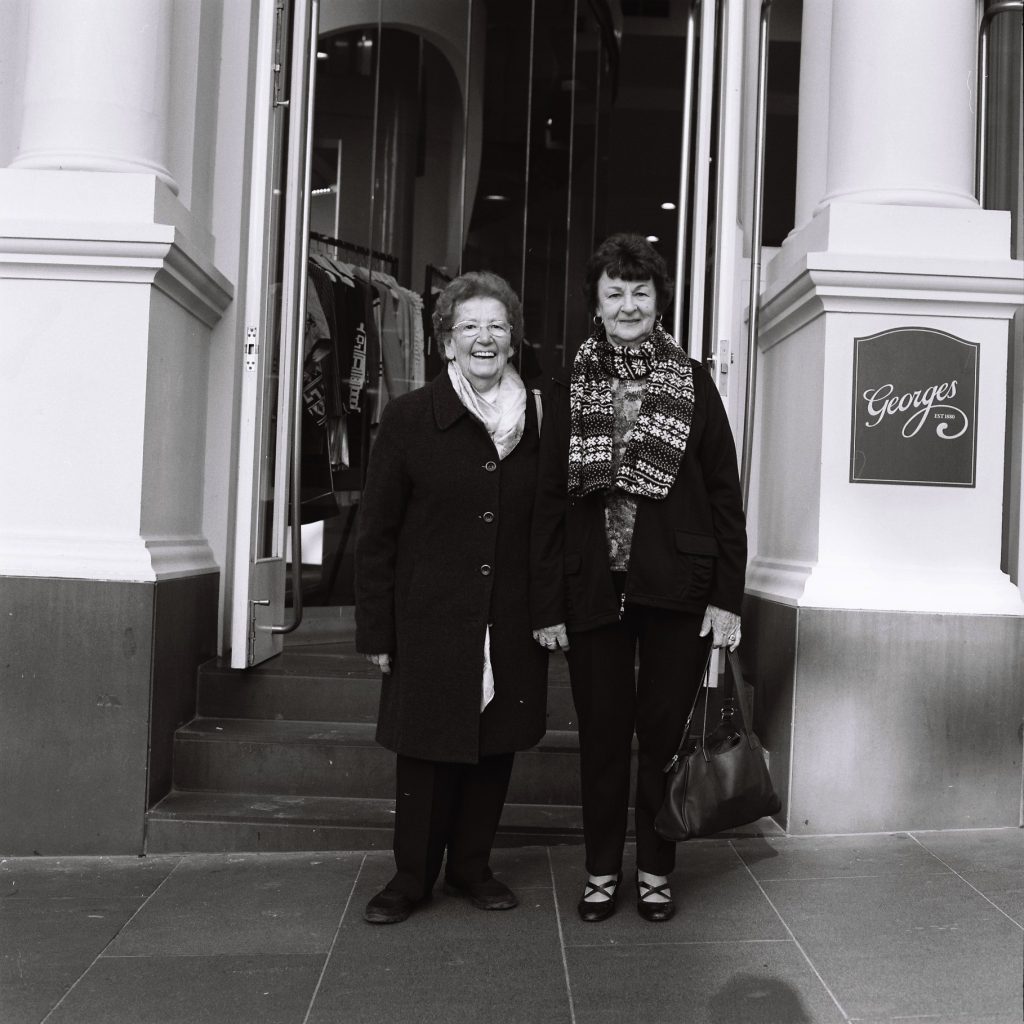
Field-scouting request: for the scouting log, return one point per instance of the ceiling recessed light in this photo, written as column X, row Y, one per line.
column 668, row 206
column 495, row 197
column 322, row 56
column 653, row 238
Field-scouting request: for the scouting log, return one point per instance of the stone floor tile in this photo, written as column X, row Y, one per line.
column 717, row 901
column 836, row 856
column 729, row 983
column 193, row 990
column 956, row 1018
column 523, row 867
column 46, row 945
column 453, row 985
column 244, row 904
column 449, row 962
column 992, row 860
column 83, row 877
column 893, row 946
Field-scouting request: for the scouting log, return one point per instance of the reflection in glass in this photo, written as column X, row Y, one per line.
column 571, row 131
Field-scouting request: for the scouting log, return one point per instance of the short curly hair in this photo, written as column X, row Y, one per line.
column 629, row 258
column 477, row 284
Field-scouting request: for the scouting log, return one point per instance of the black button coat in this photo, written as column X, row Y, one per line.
column 688, row 550
column 443, row 550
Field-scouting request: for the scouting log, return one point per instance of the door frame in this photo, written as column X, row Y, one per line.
column 258, row 584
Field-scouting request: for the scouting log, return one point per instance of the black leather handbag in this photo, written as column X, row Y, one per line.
column 719, row 781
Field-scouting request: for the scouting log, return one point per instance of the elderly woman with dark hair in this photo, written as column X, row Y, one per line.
column 442, row 598
column 639, row 545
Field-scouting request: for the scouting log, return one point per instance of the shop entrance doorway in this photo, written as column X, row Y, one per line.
column 506, row 136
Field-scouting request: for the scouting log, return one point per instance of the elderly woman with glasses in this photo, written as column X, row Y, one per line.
column 639, row 549
column 442, row 599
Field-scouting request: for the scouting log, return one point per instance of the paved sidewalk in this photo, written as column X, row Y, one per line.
column 921, row 927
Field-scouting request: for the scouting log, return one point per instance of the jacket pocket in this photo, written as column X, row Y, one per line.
column 697, row 552
column 696, row 543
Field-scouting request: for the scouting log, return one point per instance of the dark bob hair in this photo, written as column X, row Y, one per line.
column 629, row 258
column 477, row 284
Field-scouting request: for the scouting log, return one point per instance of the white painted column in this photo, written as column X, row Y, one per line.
column 97, row 87
column 884, row 634
column 901, row 102
column 812, row 123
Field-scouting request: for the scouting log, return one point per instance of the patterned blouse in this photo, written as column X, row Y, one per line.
column 620, row 507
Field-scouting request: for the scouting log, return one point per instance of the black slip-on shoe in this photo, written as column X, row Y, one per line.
column 389, row 906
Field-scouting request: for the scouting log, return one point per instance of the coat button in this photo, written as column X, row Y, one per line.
column 488, row 517
column 485, row 570
column 490, row 466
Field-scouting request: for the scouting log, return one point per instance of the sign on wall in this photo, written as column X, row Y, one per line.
column 915, row 409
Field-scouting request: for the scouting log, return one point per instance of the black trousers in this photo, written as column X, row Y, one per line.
column 439, row 806
column 612, row 701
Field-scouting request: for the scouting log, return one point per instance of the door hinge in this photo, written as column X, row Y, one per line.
column 251, row 348
column 253, row 605
column 278, row 65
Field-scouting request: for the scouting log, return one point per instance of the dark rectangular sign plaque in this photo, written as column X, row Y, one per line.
column 915, row 409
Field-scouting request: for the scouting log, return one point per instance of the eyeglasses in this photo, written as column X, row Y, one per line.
column 470, row 329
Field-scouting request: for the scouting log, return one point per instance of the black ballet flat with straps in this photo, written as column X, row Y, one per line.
column 598, row 910
column 654, row 910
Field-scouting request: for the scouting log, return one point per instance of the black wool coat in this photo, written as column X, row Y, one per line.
column 689, row 550
column 443, row 550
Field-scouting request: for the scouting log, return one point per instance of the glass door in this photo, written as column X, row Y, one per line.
column 274, row 297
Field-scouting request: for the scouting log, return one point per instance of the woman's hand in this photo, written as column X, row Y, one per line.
column 552, row 637
column 382, row 661
column 723, row 626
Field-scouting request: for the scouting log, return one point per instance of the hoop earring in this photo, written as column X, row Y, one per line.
column 657, row 319
column 597, row 320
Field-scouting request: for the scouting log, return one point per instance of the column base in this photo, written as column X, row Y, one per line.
column 886, row 721
column 98, row 675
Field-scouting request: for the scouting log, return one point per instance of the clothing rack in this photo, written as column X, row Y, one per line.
column 358, row 250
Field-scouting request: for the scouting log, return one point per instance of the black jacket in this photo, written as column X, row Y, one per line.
column 444, row 535
column 689, row 550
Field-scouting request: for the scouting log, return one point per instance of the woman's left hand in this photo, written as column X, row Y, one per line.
column 723, row 626
column 552, row 637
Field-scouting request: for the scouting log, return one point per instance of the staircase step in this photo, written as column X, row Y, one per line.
column 224, row 693
column 311, row 687
column 339, row 759
column 215, row 822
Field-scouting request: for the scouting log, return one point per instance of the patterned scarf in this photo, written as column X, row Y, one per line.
column 658, row 441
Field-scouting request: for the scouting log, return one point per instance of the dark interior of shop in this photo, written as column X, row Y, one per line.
column 578, row 135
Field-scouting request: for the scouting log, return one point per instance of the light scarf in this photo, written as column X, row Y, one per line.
column 505, row 420
column 657, row 443
column 505, row 416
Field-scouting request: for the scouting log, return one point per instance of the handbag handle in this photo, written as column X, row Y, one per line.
column 737, row 680
column 689, row 718
column 737, row 683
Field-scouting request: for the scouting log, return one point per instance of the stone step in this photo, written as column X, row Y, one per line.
column 215, row 822
column 339, row 759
